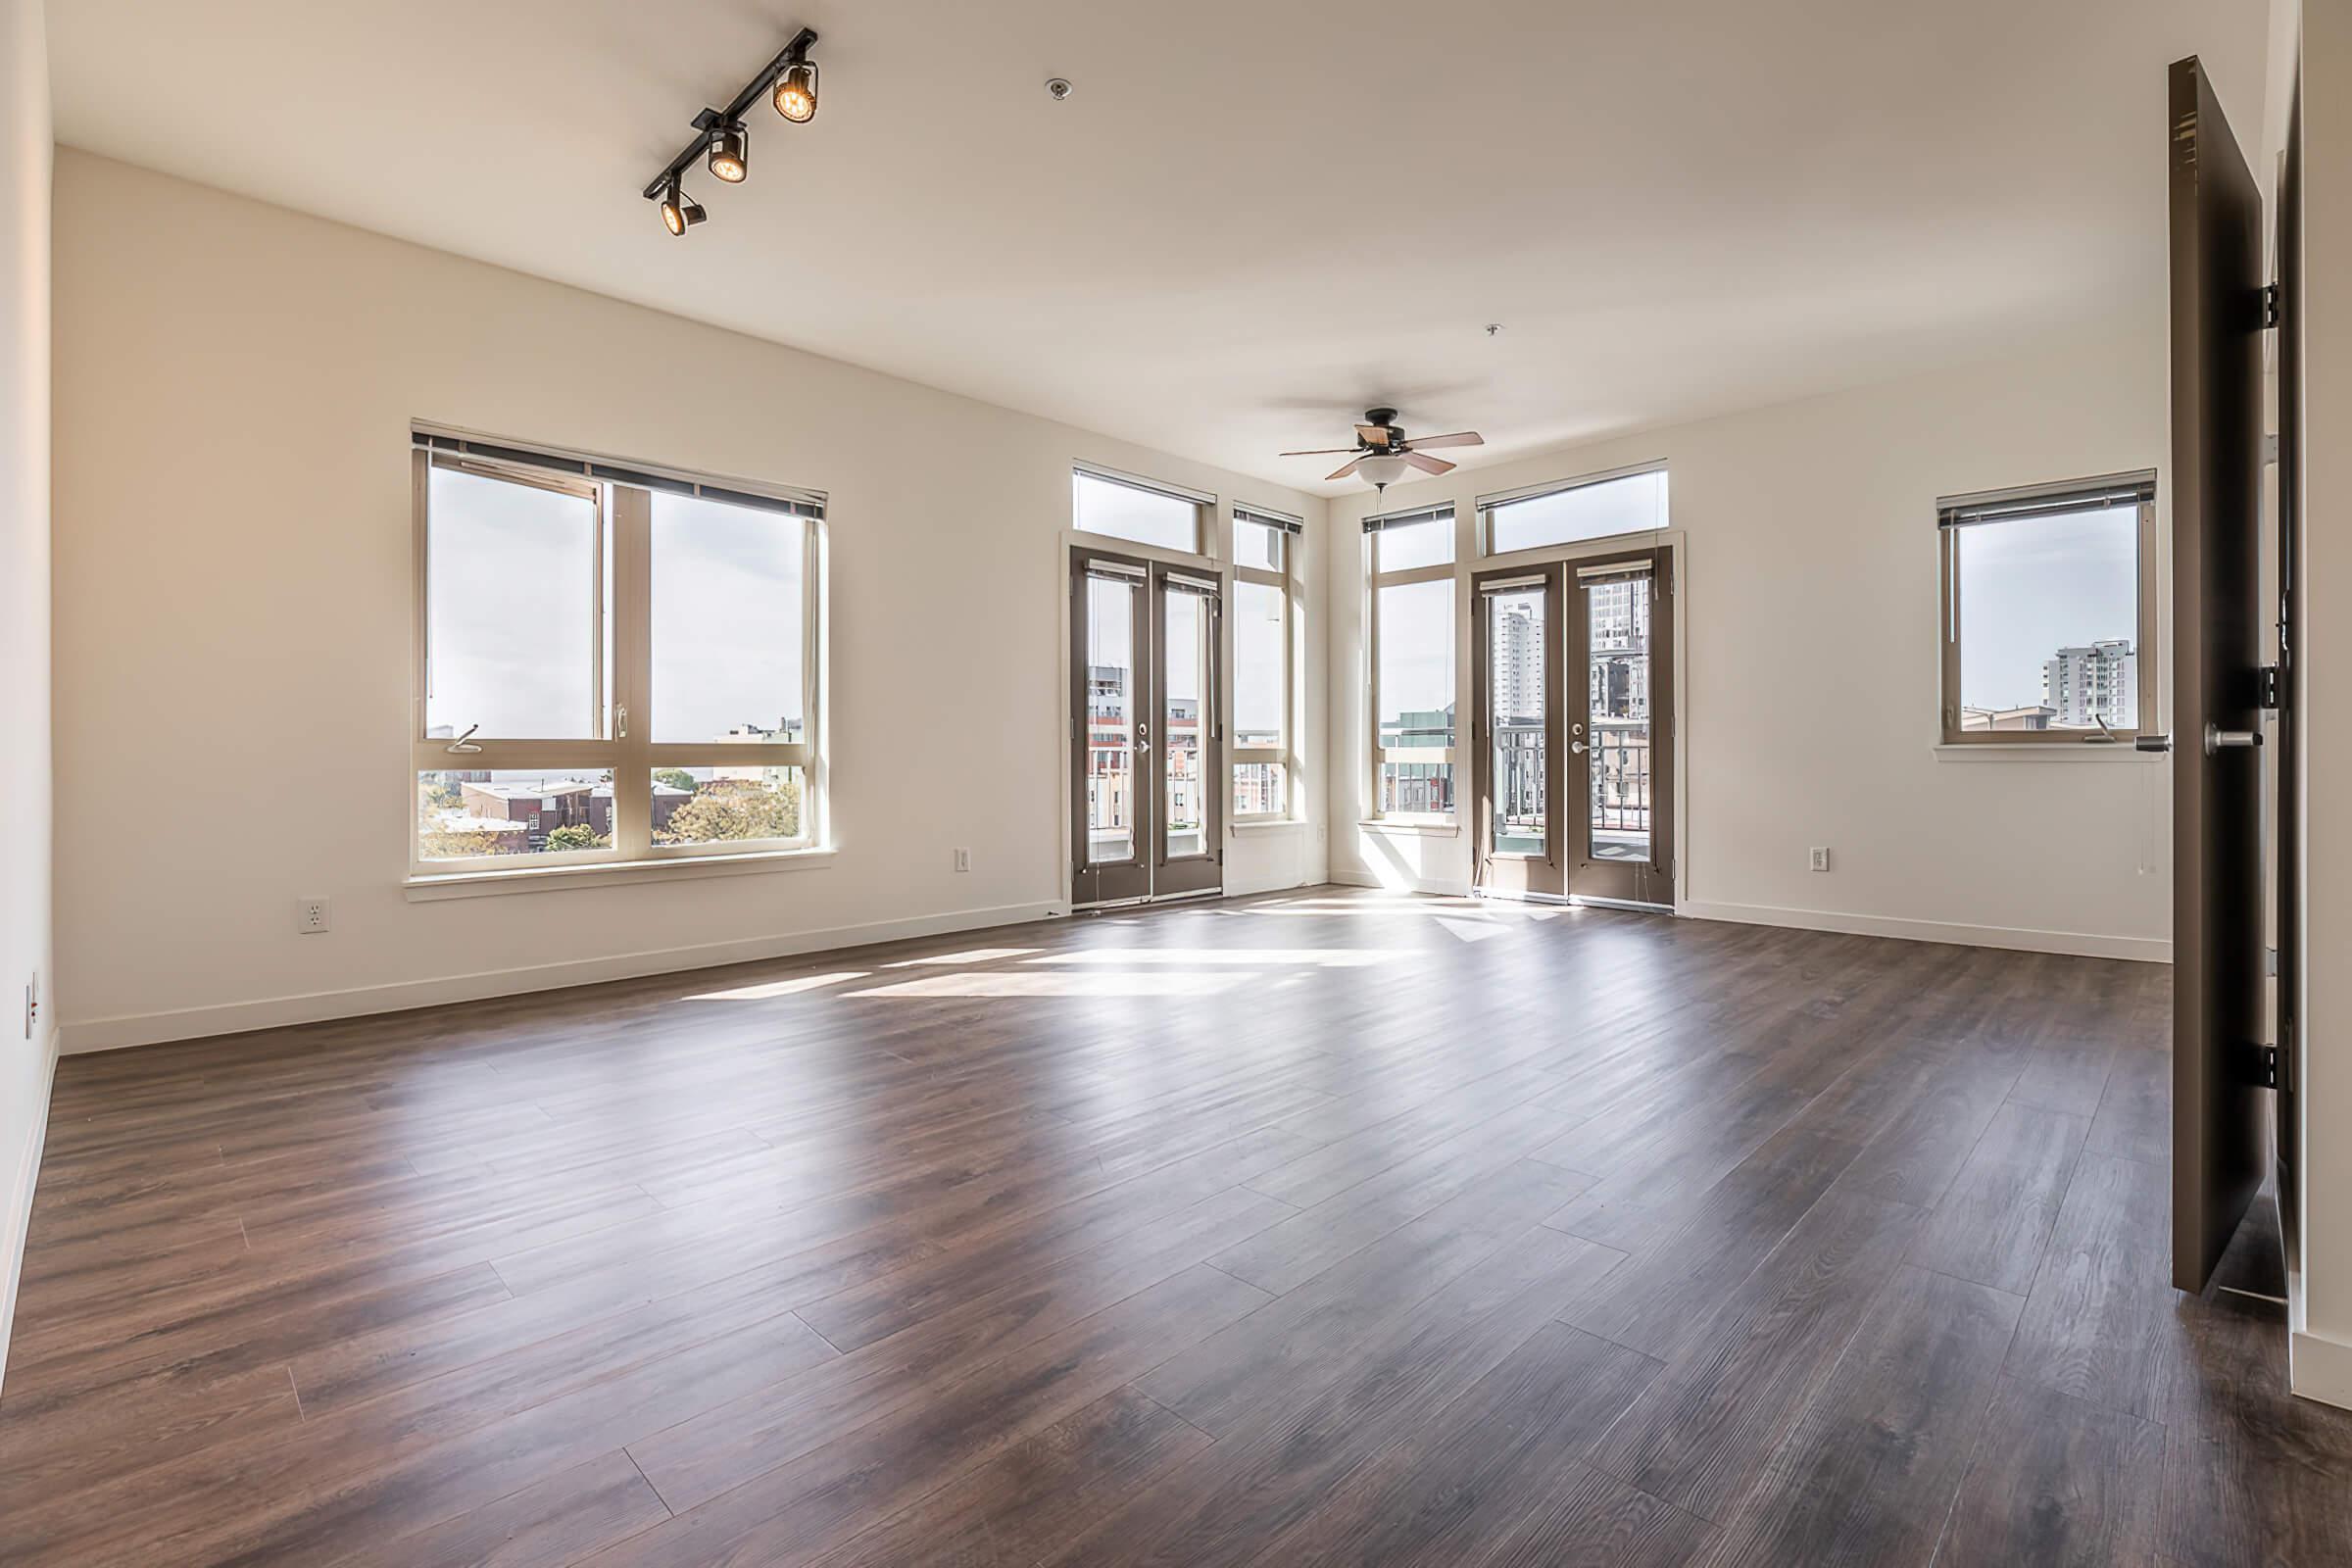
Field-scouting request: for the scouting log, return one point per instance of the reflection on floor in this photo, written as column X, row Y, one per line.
column 1315, row 1228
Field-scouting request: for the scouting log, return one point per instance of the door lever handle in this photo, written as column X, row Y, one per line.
column 2152, row 743
column 1578, row 747
column 2218, row 739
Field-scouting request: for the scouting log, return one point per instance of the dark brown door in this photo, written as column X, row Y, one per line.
column 1516, row 653
column 2219, row 1106
column 1617, row 773
column 1113, row 822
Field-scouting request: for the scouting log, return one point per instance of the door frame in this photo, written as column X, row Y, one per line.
column 1068, row 544
column 1493, row 871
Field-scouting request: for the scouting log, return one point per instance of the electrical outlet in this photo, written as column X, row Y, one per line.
column 310, row 914
column 963, row 859
column 1818, row 860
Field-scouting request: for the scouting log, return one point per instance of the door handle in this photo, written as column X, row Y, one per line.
column 1578, row 747
column 2152, row 743
column 2218, row 740
column 1142, row 738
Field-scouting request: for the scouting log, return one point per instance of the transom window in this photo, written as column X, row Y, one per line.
column 615, row 663
column 1600, row 506
column 1264, row 627
column 1118, row 507
column 1411, row 614
column 2048, row 609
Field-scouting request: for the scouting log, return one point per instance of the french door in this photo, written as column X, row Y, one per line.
column 1149, row 740
column 1573, row 774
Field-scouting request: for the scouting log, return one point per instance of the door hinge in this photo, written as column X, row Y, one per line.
column 2264, row 1065
column 2269, row 687
column 2270, row 305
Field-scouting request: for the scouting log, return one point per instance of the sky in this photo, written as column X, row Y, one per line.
column 513, row 585
column 2032, row 587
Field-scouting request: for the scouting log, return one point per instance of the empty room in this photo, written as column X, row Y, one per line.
column 1077, row 785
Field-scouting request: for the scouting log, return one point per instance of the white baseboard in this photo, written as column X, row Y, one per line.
column 2319, row 1368
column 278, row 1012
column 2024, row 938
column 17, row 1220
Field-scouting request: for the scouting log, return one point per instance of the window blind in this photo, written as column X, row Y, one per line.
column 804, row 503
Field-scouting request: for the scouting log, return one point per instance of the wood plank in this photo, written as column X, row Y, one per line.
column 1869, row 1474
column 1993, row 1223
column 2100, row 1315
column 2056, row 1483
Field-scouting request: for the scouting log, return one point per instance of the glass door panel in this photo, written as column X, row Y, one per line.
column 1617, row 689
column 1112, row 697
column 1183, row 728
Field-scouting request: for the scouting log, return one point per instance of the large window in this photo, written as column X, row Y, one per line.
column 617, row 665
column 1264, row 764
column 2048, row 609
column 1139, row 510
column 1599, row 505
column 1410, row 557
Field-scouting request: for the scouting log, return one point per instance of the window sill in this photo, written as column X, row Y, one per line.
column 2029, row 752
column 430, row 888
column 1433, row 830
column 1266, row 824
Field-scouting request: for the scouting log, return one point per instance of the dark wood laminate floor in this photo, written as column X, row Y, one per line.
column 1316, row 1228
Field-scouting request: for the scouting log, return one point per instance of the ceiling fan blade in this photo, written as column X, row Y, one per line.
column 1319, row 452
column 1461, row 438
column 1378, row 434
column 1342, row 473
column 1428, row 465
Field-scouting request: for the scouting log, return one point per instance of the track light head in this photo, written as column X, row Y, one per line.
column 679, row 211
column 731, row 153
column 796, row 92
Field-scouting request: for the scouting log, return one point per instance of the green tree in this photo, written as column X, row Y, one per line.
column 737, row 808
column 677, row 779
column 576, row 836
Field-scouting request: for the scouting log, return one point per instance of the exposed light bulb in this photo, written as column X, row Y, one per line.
column 796, row 92
column 731, row 153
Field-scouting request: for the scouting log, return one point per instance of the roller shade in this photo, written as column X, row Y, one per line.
column 579, row 466
column 1405, row 520
column 2011, row 506
column 1269, row 520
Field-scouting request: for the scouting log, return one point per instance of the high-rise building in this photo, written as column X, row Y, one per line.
column 2081, row 686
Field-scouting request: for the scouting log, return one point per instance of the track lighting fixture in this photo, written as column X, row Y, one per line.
column 679, row 211
column 796, row 92
column 724, row 141
column 731, row 153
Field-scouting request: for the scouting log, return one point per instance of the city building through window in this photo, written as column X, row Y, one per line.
column 615, row 665
column 2048, row 606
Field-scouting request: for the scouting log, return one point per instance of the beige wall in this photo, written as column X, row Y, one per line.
column 25, row 938
column 233, row 615
column 1809, row 615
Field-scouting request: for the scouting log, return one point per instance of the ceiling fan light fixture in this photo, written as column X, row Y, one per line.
column 1382, row 469
column 796, row 92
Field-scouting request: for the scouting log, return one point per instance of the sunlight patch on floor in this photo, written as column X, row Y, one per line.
column 1049, row 983
column 1316, row 957
column 781, row 988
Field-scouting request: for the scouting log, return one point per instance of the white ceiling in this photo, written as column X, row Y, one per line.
column 1252, row 218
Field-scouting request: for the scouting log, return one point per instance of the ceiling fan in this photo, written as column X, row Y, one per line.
column 1382, row 451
